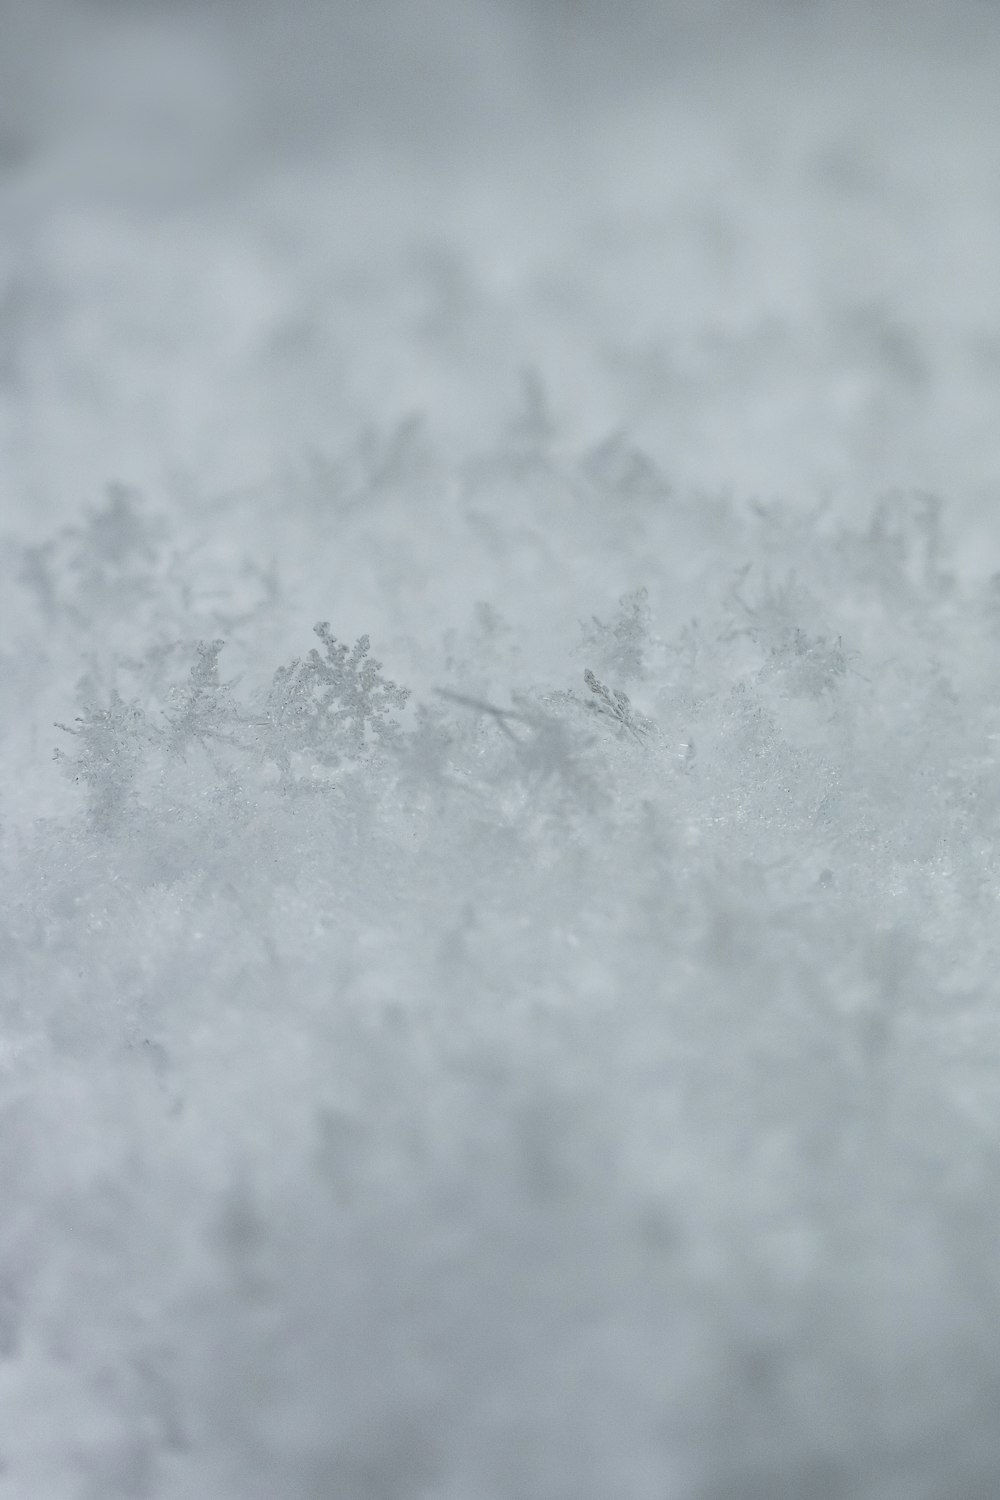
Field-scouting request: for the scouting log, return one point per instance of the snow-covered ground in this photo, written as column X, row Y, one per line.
column 499, row 985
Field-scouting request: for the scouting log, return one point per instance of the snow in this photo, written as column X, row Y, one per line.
column 535, row 1034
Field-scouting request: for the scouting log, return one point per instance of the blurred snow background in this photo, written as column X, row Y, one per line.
column 575, row 1075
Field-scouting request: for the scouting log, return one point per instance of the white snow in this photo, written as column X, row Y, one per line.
column 577, row 1076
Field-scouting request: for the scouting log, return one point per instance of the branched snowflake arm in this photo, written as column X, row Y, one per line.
column 112, row 744
column 351, row 695
column 614, row 704
column 202, row 710
column 329, row 705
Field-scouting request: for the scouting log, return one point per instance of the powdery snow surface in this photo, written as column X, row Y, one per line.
column 499, row 986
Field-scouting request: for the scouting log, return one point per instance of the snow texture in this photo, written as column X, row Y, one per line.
column 535, row 1033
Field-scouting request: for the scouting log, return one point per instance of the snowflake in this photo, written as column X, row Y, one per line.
column 333, row 704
